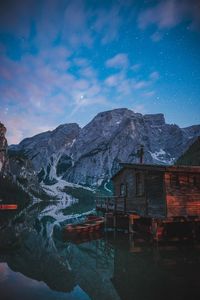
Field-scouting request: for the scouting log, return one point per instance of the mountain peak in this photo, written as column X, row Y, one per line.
column 91, row 155
column 67, row 126
column 111, row 117
column 155, row 119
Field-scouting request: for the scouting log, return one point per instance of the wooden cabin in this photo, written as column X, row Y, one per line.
column 163, row 201
column 159, row 191
column 156, row 191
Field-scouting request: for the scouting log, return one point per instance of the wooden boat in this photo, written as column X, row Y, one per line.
column 91, row 224
column 8, row 206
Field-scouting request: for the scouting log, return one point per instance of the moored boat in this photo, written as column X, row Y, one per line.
column 90, row 225
column 8, row 206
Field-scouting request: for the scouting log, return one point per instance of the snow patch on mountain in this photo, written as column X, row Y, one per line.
column 57, row 191
column 162, row 157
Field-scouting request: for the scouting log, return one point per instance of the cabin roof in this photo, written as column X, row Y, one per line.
column 159, row 168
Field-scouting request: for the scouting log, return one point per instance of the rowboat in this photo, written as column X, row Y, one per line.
column 8, row 206
column 90, row 225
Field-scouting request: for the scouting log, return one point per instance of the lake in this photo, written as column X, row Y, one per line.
column 41, row 265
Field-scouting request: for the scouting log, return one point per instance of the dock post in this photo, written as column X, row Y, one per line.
column 131, row 243
column 194, row 236
column 124, row 204
column 115, row 221
column 106, row 220
column 131, row 222
column 115, row 206
column 154, row 229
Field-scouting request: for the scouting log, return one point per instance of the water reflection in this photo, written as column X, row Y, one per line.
column 149, row 272
column 108, row 267
column 18, row 286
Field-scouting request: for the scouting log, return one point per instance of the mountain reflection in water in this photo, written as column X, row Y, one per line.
column 108, row 267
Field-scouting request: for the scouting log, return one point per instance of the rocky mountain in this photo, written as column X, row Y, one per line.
column 7, row 186
column 3, row 150
column 17, row 175
column 91, row 155
column 192, row 155
column 46, row 149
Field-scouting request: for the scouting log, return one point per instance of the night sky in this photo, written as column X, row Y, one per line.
column 64, row 61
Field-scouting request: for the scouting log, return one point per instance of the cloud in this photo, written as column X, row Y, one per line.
column 124, row 85
column 120, row 60
column 148, row 94
column 34, row 25
column 43, row 91
column 73, row 23
column 139, row 108
column 81, row 62
column 47, row 75
column 88, row 72
column 19, row 127
column 79, row 23
column 84, row 101
column 38, row 92
column 156, row 36
column 154, row 76
column 169, row 13
column 76, row 28
column 166, row 14
column 108, row 23
column 136, row 67
column 114, row 80
column 140, row 84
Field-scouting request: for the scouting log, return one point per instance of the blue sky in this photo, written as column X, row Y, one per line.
column 65, row 61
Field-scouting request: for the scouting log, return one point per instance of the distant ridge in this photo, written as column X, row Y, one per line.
column 192, row 155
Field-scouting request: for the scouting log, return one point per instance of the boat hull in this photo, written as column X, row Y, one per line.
column 91, row 225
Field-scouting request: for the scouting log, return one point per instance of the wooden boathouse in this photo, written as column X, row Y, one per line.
column 155, row 195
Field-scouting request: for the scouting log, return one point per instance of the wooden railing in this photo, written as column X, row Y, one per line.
column 114, row 203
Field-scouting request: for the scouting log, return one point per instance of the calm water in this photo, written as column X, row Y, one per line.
column 108, row 267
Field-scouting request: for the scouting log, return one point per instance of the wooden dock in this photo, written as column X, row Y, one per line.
column 117, row 217
column 116, row 204
column 159, row 201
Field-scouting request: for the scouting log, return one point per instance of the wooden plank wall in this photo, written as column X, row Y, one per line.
column 182, row 194
column 133, row 202
column 150, row 203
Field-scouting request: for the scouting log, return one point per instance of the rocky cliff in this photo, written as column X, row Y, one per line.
column 46, row 149
column 91, row 155
column 17, row 171
column 3, row 150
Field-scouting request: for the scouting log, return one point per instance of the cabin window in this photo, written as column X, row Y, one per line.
column 139, row 184
column 122, row 189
